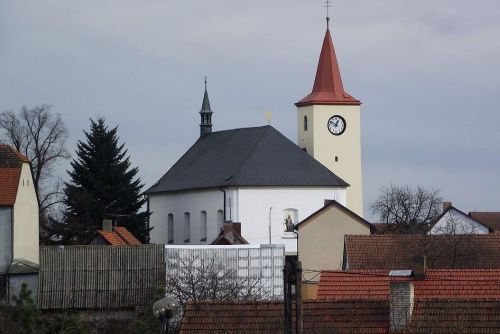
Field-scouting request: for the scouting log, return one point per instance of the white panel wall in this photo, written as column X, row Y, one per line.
column 178, row 203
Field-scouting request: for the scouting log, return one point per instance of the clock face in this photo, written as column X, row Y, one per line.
column 336, row 125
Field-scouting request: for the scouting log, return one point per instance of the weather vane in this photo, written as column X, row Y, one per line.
column 327, row 5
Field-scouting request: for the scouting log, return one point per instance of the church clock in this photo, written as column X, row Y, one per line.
column 336, row 125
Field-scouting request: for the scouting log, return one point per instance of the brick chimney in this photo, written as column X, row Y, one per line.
column 419, row 267
column 328, row 202
column 401, row 305
column 107, row 225
column 447, row 205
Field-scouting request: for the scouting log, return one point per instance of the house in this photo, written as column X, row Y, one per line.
column 98, row 278
column 454, row 221
column 433, row 301
column 391, row 252
column 113, row 236
column 18, row 213
column 321, row 241
column 260, row 178
column 268, row 317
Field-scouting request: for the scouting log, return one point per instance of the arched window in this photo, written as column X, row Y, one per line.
column 220, row 220
column 290, row 218
column 305, row 123
column 170, row 228
column 187, row 227
column 203, row 226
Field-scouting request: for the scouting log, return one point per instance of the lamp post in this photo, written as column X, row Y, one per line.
column 164, row 309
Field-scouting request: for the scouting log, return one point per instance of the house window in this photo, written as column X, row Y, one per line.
column 220, row 220
column 305, row 123
column 187, row 227
column 203, row 226
column 170, row 228
column 290, row 217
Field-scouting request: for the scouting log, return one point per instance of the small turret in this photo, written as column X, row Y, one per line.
column 206, row 114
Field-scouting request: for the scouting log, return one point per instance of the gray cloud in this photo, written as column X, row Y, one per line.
column 426, row 71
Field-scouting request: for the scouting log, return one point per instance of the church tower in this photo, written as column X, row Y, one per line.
column 205, row 114
column 329, row 125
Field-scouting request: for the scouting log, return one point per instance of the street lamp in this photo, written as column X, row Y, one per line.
column 164, row 309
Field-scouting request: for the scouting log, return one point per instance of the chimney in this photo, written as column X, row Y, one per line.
column 401, row 305
column 446, row 206
column 419, row 267
column 107, row 225
column 328, row 202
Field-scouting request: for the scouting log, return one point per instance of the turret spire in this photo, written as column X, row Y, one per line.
column 328, row 87
column 205, row 114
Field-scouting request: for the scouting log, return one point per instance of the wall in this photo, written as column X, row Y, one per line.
column 254, row 211
column 321, row 240
column 262, row 264
column 26, row 218
column 16, row 281
column 455, row 222
column 324, row 146
column 5, row 238
column 186, row 201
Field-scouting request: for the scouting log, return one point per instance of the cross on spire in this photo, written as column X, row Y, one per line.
column 327, row 6
column 205, row 82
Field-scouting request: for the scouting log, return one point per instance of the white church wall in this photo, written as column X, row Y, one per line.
column 257, row 206
column 178, row 203
column 456, row 222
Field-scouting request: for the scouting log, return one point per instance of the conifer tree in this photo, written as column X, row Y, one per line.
column 102, row 186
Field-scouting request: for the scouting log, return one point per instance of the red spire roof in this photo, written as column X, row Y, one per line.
column 328, row 88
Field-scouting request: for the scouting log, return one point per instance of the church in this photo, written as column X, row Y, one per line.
column 258, row 177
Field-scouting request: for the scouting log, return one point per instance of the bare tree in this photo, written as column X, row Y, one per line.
column 196, row 278
column 405, row 209
column 41, row 136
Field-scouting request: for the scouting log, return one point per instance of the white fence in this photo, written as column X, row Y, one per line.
column 248, row 261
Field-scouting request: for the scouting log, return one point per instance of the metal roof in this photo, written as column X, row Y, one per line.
column 258, row 156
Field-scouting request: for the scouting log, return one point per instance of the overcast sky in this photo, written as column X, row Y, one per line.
column 427, row 72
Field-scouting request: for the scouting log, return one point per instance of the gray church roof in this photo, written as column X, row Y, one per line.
column 259, row 156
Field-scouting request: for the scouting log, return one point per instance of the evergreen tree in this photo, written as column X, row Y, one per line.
column 103, row 186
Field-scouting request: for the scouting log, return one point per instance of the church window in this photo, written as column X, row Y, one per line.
column 220, row 220
column 305, row 123
column 290, row 218
column 187, row 227
column 170, row 228
column 203, row 226
column 336, row 159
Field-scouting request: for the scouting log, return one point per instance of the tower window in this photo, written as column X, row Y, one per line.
column 336, row 159
column 305, row 123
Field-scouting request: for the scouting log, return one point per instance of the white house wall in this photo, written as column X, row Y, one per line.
column 455, row 222
column 26, row 218
column 177, row 203
column 255, row 211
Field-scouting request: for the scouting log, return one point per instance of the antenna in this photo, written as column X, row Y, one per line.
column 327, row 6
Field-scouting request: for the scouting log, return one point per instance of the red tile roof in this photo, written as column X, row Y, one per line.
column 328, row 87
column 442, row 251
column 119, row 236
column 126, row 235
column 10, row 172
column 489, row 219
column 438, row 284
column 479, row 316
column 267, row 317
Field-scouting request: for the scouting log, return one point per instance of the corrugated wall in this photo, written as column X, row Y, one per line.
column 99, row 277
column 264, row 262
